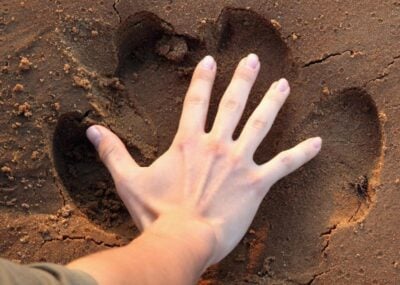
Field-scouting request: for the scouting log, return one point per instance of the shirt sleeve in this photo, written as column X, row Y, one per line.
column 41, row 274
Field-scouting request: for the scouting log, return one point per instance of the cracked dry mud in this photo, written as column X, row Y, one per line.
column 127, row 64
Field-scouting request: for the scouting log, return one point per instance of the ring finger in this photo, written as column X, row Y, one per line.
column 263, row 117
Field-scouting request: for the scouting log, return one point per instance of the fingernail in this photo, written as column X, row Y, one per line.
column 317, row 143
column 252, row 61
column 283, row 85
column 94, row 135
column 208, row 62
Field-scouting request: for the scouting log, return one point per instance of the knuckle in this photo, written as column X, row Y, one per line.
column 107, row 149
column 203, row 75
column 195, row 99
column 231, row 104
column 123, row 182
column 216, row 147
column 184, row 144
column 287, row 160
column 245, row 74
column 128, row 181
column 235, row 159
column 274, row 100
column 256, row 181
column 259, row 124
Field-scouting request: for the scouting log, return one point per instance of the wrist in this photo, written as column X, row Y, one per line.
column 190, row 233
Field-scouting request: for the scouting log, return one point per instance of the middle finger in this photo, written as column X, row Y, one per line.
column 234, row 100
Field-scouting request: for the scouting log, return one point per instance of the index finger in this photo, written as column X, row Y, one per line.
column 195, row 107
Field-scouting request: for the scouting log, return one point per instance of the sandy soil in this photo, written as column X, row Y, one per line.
column 126, row 64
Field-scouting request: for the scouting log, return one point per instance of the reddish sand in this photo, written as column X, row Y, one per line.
column 126, row 64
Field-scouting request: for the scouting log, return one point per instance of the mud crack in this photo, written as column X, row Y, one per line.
column 315, row 276
column 385, row 73
column 329, row 231
column 327, row 235
column 116, row 2
column 85, row 238
column 328, row 56
column 64, row 201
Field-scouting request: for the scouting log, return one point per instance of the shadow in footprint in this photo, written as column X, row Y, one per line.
column 84, row 176
column 156, row 64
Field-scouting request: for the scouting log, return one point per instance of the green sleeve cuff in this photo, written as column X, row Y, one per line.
column 42, row 274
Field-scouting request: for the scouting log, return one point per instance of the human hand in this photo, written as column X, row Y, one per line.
column 207, row 181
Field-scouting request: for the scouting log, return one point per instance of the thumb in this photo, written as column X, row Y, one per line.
column 112, row 151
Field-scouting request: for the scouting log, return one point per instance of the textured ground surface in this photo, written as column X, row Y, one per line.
column 126, row 64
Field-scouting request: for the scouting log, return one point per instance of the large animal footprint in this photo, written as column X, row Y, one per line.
column 291, row 233
column 155, row 65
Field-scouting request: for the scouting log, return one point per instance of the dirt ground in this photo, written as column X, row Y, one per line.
column 126, row 64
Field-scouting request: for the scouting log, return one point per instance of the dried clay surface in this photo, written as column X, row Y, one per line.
column 127, row 64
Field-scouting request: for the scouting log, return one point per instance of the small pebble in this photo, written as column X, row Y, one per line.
column 25, row 206
column 24, row 64
column 82, row 82
column 18, row 88
column 67, row 68
column 6, row 169
column 276, row 24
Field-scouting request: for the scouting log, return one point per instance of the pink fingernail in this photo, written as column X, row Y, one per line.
column 283, row 85
column 317, row 143
column 252, row 61
column 94, row 135
column 208, row 62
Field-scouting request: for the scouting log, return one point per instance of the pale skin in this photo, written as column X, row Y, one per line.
column 195, row 203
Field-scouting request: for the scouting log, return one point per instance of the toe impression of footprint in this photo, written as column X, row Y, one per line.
column 155, row 65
